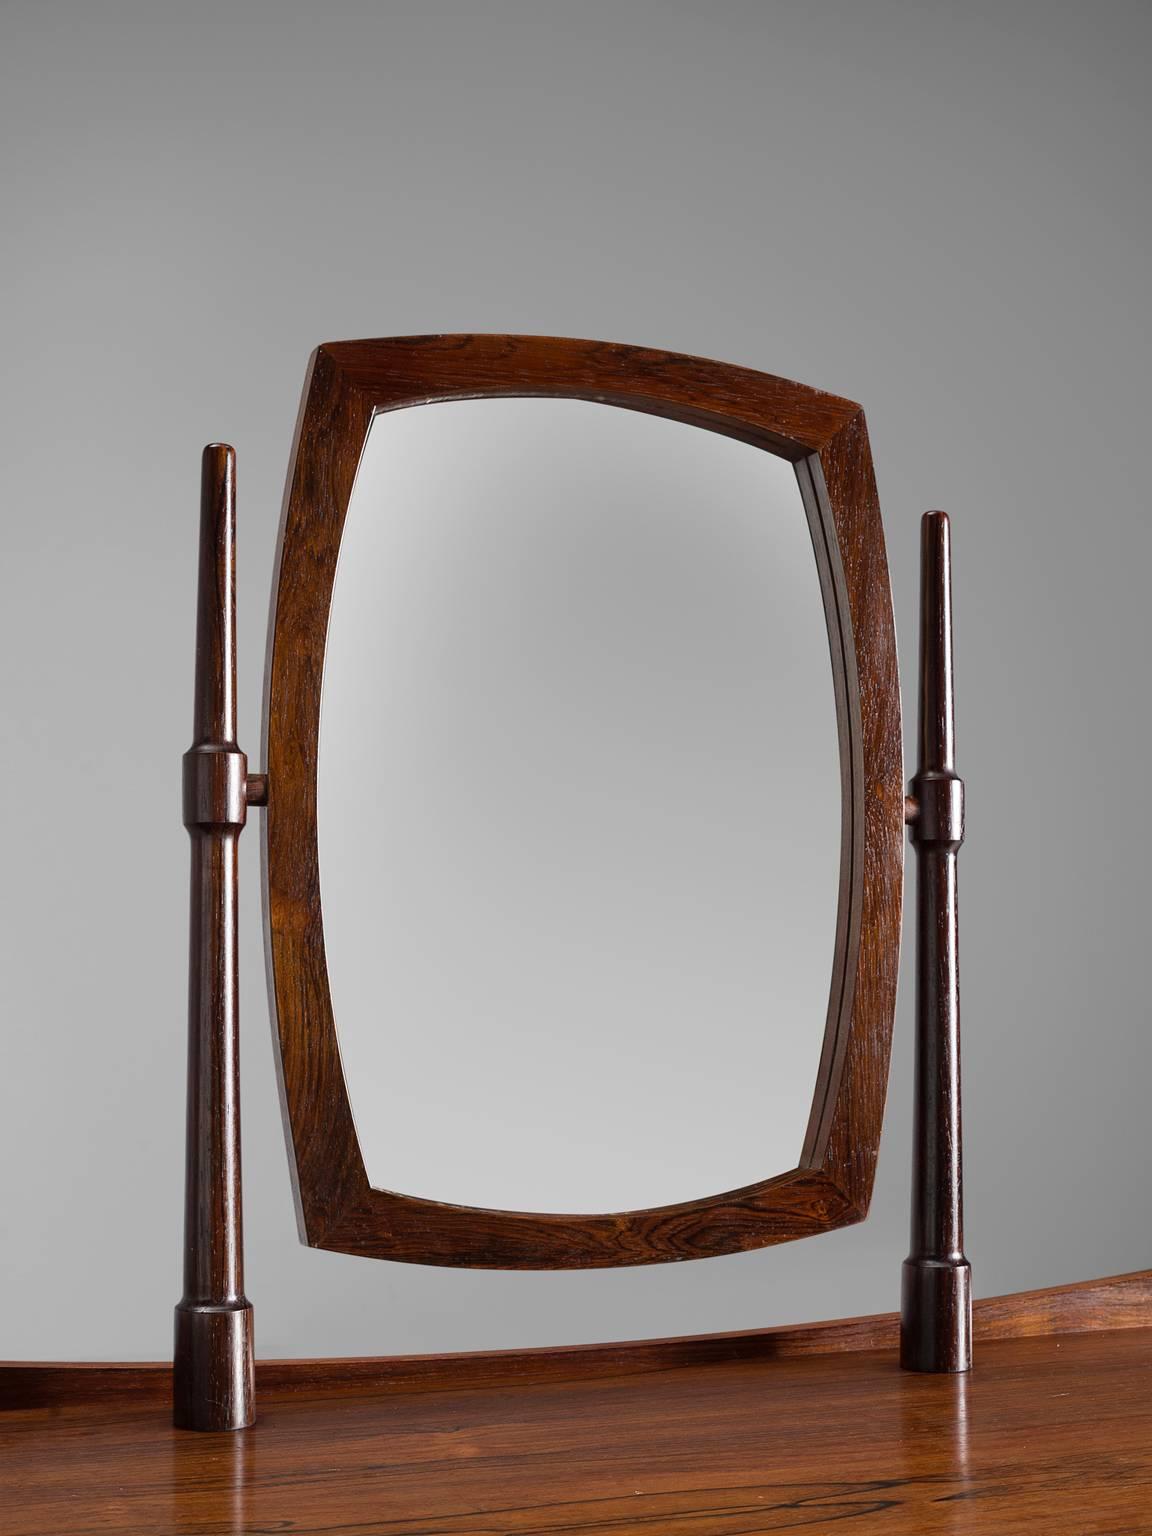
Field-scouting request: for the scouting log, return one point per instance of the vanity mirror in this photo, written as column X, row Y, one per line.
column 584, row 816
column 544, row 458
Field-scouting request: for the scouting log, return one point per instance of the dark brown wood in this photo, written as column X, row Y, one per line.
column 1092, row 1306
column 825, row 437
column 212, row 1377
column 1048, row 1436
column 936, row 1306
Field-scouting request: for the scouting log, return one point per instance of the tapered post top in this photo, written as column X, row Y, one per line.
column 938, row 790
column 937, row 740
column 214, row 716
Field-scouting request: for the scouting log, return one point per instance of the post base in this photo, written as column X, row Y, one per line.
column 213, row 1385
column 936, row 1315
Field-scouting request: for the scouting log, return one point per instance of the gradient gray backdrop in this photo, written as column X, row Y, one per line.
column 939, row 210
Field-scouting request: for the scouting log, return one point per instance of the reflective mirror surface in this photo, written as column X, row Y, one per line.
column 579, row 808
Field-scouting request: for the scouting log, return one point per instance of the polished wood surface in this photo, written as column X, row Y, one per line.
column 936, row 1306
column 1050, row 1435
column 213, row 1387
column 1090, row 1306
column 825, row 437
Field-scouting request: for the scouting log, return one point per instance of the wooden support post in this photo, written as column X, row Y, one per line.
column 936, row 1307
column 212, row 1368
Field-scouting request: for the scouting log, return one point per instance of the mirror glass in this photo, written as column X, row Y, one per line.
column 579, row 808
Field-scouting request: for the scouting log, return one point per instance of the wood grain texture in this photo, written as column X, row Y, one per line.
column 936, row 1303
column 825, row 437
column 1092, row 1306
column 1050, row 1435
column 213, row 1338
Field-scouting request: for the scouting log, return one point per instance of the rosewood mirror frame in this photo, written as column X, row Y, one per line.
column 825, row 438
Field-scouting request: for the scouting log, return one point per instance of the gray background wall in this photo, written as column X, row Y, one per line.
column 940, row 210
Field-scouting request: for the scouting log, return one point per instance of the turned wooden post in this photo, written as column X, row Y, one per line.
column 212, row 1367
column 936, row 1305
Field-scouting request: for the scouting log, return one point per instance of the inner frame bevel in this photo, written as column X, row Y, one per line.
column 829, row 1056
